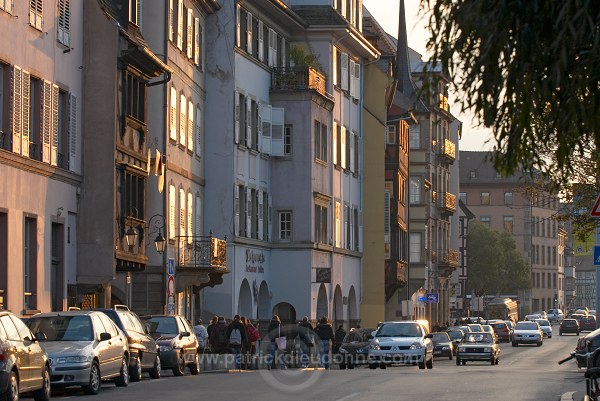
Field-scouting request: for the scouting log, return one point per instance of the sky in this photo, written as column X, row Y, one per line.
column 386, row 13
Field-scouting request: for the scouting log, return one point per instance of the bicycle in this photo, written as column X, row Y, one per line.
column 592, row 374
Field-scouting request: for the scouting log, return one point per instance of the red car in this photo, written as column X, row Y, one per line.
column 587, row 323
column 502, row 331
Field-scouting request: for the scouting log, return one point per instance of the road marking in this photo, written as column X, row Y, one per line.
column 567, row 396
column 348, row 397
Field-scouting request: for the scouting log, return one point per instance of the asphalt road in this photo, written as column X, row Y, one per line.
column 523, row 373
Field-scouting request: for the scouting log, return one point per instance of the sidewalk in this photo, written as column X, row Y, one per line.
column 225, row 363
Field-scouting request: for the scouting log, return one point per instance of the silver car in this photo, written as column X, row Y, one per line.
column 403, row 342
column 84, row 348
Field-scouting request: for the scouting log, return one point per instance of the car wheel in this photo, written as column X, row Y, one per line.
column 539, row 344
column 514, row 344
column 178, row 369
column 195, row 367
column 383, row 366
column 492, row 361
column 350, row 365
column 135, row 372
column 372, row 366
column 94, row 384
column 429, row 363
column 457, row 361
column 422, row 364
column 12, row 390
column 463, row 362
column 123, row 379
column 155, row 371
column 43, row 394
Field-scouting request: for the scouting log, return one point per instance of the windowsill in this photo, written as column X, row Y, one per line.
column 337, row 167
column 321, row 162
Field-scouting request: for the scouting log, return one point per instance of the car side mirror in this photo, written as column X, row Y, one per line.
column 184, row 334
column 369, row 337
column 429, row 335
column 40, row 336
column 105, row 336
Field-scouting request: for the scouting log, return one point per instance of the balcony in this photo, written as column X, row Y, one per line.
column 395, row 276
column 201, row 261
column 299, row 79
column 448, row 261
column 445, row 201
column 447, row 151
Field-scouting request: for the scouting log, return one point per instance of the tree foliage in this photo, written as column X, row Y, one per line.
column 528, row 70
column 495, row 266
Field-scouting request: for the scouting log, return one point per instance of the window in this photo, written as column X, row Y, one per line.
column 4, row 98
column 486, row 220
column 356, row 230
column 321, row 217
column 64, row 22
column 390, row 134
column 554, row 255
column 62, row 160
column 34, row 109
column 338, row 224
column 179, row 24
column 198, row 131
column 190, row 217
column 132, row 193
column 508, row 198
column 347, row 143
column 266, row 216
column 508, row 224
column 414, row 191
column 173, row 114
column 36, row 11
column 6, row 5
column 30, row 262
column 554, row 280
column 485, row 198
column 135, row 12
column 182, row 213
column 543, row 280
column 415, row 247
column 183, row 120
column 134, row 96
column 189, row 37
column 285, row 226
column 172, row 207
column 242, row 210
column 356, row 154
column 543, row 254
column 463, row 197
column 288, row 130
column 338, row 150
column 198, row 43
column 473, row 174
column 253, row 213
column 414, row 137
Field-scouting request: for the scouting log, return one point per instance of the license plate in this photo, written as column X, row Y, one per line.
column 437, row 352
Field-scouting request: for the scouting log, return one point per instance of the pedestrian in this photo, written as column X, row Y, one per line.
column 202, row 335
column 238, row 339
column 253, row 336
column 306, row 335
column 213, row 323
column 338, row 338
column 218, row 337
column 324, row 333
column 274, row 332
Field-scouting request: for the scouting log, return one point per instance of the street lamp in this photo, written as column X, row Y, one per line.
column 131, row 237
column 159, row 243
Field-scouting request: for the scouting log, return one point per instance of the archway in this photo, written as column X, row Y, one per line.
column 286, row 312
column 338, row 307
column 245, row 299
column 322, row 305
column 352, row 308
column 264, row 302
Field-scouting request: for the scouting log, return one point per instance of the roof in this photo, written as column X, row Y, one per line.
column 481, row 162
column 320, row 15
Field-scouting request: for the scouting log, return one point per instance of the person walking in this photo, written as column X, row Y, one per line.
column 307, row 340
column 274, row 332
column 202, row 335
column 253, row 337
column 325, row 334
column 238, row 339
column 218, row 337
column 338, row 338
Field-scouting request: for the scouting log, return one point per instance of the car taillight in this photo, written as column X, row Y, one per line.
column 1, row 353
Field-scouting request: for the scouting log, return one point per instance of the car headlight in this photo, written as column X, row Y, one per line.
column 416, row 345
column 164, row 348
column 487, row 349
column 461, row 349
column 445, row 348
column 73, row 359
column 374, row 346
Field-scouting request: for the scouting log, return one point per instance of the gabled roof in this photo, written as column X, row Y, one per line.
column 320, row 15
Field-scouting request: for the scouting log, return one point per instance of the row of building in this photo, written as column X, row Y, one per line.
column 256, row 157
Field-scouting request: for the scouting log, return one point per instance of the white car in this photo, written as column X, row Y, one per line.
column 556, row 315
column 527, row 332
column 402, row 342
column 545, row 326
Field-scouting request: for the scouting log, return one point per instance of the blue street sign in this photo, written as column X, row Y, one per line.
column 422, row 298
column 433, row 298
column 171, row 268
column 597, row 255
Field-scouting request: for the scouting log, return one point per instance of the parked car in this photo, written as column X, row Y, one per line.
column 527, row 332
column 144, row 355
column 569, row 326
column 177, row 342
column 478, row 347
column 355, row 348
column 84, row 348
column 503, row 333
column 588, row 343
column 556, row 315
column 25, row 366
column 442, row 345
column 587, row 323
column 545, row 326
column 405, row 342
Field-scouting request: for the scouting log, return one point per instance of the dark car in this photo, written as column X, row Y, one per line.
column 144, row 353
column 442, row 345
column 569, row 326
column 25, row 366
column 177, row 342
column 503, row 332
column 355, row 348
column 456, row 336
column 587, row 323
column 588, row 343
column 478, row 347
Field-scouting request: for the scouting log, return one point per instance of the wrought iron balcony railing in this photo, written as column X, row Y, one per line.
column 201, row 252
column 448, row 150
column 444, row 200
column 298, row 79
column 449, row 260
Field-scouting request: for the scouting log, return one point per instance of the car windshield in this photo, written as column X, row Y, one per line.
column 162, row 325
column 478, row 338
column 62, row 328
column 440, row 337
column 354, row 336
column 399, row 330
column 526, row 326
column 455, row 335
column 499, row 326
column 543, row 322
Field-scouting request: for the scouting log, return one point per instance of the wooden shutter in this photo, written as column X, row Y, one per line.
column 283, row 53
column 351, row 139
column 236, row 209
column 238, row 23
column 138, row 9
column 271, row 44
column 46, row 121
column 334, row 67
column 26, row 87
column 249, row 33
column 338, row 224
column 359, row 16
column 197, row 29
column 277, row 128
column 173, row 114
column 344, row 77
column 171, row 6
column 17, row 108
column 343, row 148
column 248, row 136
column 198, row 131
column 260, row 214
column 265, row 138
column 64, row 22
column 190, row 33
column 182, row 120
column 182, row 213
column 190, row 127
column 8, row 7
column 356, row 79
column 198, row 227
column 72, row 131
column 248, row 212
column 180, row 24
column 333, row 143
column 54, row 127
column 261, row 41
column 36, row 11
column 190, row 217
column 237, row 117
column 172, row 212
column 352, row 80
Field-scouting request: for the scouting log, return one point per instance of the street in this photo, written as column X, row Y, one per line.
column 524, row 373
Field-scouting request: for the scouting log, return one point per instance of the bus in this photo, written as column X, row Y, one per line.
column 503, row 309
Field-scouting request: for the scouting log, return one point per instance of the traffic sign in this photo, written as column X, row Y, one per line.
column 597, row 255
column 171, row 267
column 433, row 297
column 595, row 212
